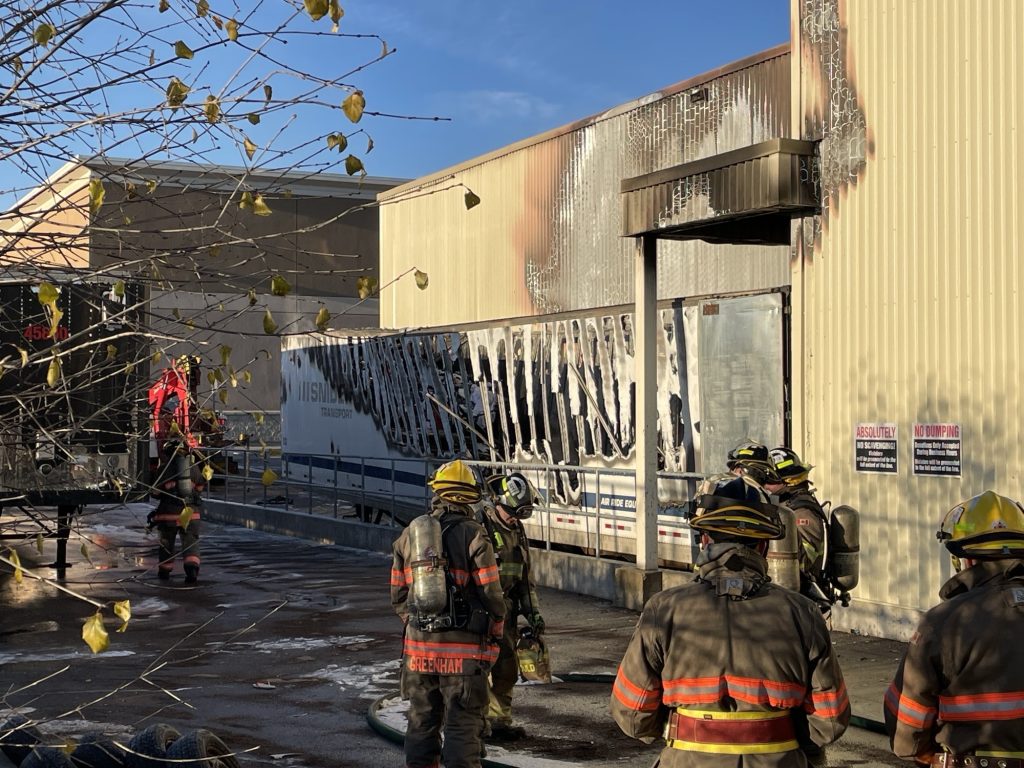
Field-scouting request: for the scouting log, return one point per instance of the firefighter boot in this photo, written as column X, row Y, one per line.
column 191, row 574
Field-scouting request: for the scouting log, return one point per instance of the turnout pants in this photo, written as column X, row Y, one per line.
column 189, row 547
column 504, row 675
column 452, row 703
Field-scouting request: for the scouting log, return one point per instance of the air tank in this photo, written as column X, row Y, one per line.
column 181, row 469
column 429, row 585
column 844, row 547
column 784, row 553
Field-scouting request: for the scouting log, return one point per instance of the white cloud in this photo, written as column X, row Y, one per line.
column 487, row 106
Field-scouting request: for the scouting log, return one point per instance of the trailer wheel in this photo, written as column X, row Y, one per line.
column 47, row 757
column 95, row 750
column 148, row 748
column 17, row 738
column 205, row 748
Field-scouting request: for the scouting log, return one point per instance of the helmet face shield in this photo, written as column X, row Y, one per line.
column 515, row 494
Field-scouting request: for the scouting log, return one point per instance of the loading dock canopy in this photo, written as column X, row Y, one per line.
column 748, row 195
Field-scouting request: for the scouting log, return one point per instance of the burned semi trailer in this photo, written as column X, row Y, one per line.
column 375, row 414
column 73, row 431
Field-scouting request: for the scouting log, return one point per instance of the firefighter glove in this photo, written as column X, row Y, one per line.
column 536, row 623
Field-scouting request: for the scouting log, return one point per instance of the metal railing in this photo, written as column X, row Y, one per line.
column 393, row 490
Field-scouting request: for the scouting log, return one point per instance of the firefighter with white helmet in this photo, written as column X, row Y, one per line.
column 445, row 588
column 512, row 500
column 732, row 669
column 792, row 485
column 958, row 695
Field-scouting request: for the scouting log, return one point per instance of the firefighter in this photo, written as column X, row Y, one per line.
column 447, row 655
column 958, row 695
column 793, row 488
column 751, row 459
column 179, row 487
column 512, row 501
column 730, row 669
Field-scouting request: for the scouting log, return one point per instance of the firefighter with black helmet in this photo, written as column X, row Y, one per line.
column 793, row 488
column 732, row 669
column 512, row 500
column 958, row 695
column 751, row 459
column 445, row 588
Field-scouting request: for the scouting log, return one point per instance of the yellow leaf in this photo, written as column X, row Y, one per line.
column 39, row 543
column 232, row 30
column 185, row 517
column 268, row 92
column 269, row 326
column 421, row 279
column 123, row 610
column 323, row 317
column 223, row 396
column 96, row 195
column 336, row 13
column 177, row 91
column 119, row 288
column 246, row 202
column 44, row 33
column 253, row 118
column 214, row 250
column 111, row 352
column 95, row 634
column 24, row 356
column 269, row 477
column 366, row 286
column 212, row 109
column 259, row 207
column 232, row 379
column 208, row 473
column 85, row 553
column 151, row 186
column 225, row 354
column 247, row 376
column 164, row 5
column 337, row 140
column 317, row 9
column 383, row 48
column 250, row 148
column 472, row 201
column 16, row 62
column 279, row 286
column 12, row 555
column 218, row 23
column 182, row 51
column 218, row 375
column 258, row 418
column 354, row 165
column 211, row 378
column 55, row 317
column 157, row 356
column 202, row 8
column 48, row 294
column 353, row 106
column 252, row 297
column 53, row 373
column 176, row 313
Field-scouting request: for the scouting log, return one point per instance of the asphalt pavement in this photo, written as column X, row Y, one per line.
column 285, row 644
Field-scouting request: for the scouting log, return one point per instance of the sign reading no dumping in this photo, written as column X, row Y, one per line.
column 875, row 448
column 937, row 450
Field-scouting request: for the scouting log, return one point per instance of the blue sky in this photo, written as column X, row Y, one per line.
column 506, row 71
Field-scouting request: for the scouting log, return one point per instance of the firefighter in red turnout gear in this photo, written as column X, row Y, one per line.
column 958, row 695
column 445, row 588
column 732, row 670
column 178, row 489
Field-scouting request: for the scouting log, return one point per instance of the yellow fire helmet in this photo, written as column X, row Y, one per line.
column 533, row 657
column 790, row 468
column 455, row 482
column 985, row 527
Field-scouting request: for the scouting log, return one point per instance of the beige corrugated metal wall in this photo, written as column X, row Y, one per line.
column 907, row 290
column 546, row 237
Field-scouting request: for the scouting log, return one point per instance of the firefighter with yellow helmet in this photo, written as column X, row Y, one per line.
column 445, row 588
column 512, row 500
column 958, row 695
column 732, row 669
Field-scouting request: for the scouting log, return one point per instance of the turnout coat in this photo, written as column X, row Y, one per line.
column 731, row 670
